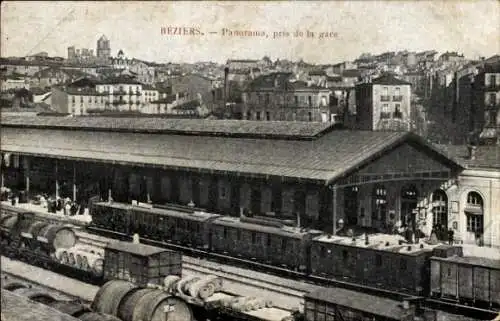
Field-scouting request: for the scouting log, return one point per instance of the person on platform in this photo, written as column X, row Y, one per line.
column 450, row 236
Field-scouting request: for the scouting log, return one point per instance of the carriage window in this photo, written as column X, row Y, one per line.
column 268, row 240
column 378, row 260
column 345, row 255
column 322, row 251
column 402, row 264
column 449, row 272
column 283, row 245
column 238, row 234
column 225, row 232
column 254, row 238
column 197, row 228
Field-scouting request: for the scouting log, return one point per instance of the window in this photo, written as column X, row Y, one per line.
column 238, row 235
column 309, row 99
column 254, row 238
column 267, row 98
column 402, row 264
column 492, row 99
column 225, row 232
column 268, row 115
column 81, row 99
column 449, row 272
column 296, row 100
column 345, row 255
column 309, row 115
column 73, row 99
column 385, row 113
column 283, row 245
column 268, row 240
column 397, row 112
column 439, row 208
column 474, row 212
column 258, row 115
column 492, row 80
column 249, row 115
column 378, row 260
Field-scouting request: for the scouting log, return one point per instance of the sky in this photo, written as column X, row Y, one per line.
column 353, row 27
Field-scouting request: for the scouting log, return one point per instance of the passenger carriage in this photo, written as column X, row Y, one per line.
column 279, row 246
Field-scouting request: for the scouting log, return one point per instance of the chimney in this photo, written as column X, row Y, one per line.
column 472, row 152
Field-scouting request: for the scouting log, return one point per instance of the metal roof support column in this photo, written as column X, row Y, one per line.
column 74, row 181
column 57, row 180
column 334, row 208
column 27, row 174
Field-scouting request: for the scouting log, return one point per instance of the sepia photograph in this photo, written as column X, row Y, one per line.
column 250, row 160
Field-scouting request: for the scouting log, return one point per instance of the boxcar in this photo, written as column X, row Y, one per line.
column 112, row 216
column 385, row 261
column 466, row 279
column 329, row 304
column 285, row 246
column 140, row 263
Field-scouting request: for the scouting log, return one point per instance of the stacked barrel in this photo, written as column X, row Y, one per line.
column 129, row 302
column 83, row 258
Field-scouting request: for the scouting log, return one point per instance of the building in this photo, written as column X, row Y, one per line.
column 145, row 72
column 368, row 179
column 487, row 84
column 55, row 76
column 383, row 104
column 473, row 203
column 103, row 48
column 278, row 96
column 124, row 93
column 22, row 67
column 78, row 98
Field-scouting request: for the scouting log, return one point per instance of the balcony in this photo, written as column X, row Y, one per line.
column 397, row 114
column 397, row 98
column 385, row 115
column 492, row 87
column 385, row 98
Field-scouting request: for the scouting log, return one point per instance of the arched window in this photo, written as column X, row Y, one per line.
column 439, row 208
column 474, row 212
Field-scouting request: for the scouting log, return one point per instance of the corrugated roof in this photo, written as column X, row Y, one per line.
column 363, row 302
column 295, row 130
column 321, row 160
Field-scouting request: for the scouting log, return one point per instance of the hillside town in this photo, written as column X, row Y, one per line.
column 445, row 97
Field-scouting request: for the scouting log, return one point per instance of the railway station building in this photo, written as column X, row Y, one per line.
column 313, row 173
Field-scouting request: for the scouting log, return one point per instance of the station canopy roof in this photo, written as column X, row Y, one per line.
column 326, row 155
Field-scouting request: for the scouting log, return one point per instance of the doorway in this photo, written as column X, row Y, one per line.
column 409, row 200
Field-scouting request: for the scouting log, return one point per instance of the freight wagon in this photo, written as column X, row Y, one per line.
column 471, row 280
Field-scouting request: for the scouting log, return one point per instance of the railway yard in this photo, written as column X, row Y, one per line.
column 242, row 294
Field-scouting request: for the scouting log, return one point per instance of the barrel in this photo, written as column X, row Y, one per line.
column 129, row 302
column 7, row 222
column 35, row 295
column 110, row 295
column 152, row 305
column 34, row 230
column 95, row 316
column 72, row 308
column 58, row 236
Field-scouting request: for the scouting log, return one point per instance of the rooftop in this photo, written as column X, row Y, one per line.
column 289, row 150
column 487, row 156
column 135, row 249
column 359, row 301
column 389, row 79
column 238, row 128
